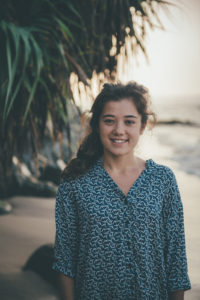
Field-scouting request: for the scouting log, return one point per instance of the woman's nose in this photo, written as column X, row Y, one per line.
column 119, row 128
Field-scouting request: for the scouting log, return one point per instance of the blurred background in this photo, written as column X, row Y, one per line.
column 55, row 57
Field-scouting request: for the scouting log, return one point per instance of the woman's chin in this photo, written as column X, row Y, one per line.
column 118, row 152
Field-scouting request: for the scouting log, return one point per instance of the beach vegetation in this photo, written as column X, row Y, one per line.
column 42, row 42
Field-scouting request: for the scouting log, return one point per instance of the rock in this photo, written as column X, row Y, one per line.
column 32, row 186
column 26, row 184
column 41, row 262
column 50, row 173
column 5, row 207
column 40, row 175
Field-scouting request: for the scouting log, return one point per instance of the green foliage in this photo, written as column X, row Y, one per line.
column 44, row 41
column 33, row 61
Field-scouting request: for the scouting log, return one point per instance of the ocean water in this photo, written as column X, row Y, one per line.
column 183, row 109
column 177, row 143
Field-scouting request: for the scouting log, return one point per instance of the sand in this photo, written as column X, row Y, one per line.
column 31, row 224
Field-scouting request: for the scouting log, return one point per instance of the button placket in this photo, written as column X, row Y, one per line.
column 129, row 245
column 129, row 263
column 127, row 222
column 126, row 200
column 126, row 227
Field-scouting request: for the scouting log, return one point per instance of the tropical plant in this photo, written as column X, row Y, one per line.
column 41, row 43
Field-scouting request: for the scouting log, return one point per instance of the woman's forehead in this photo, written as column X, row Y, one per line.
column 120, row 107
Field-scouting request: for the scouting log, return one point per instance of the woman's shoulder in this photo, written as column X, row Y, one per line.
column 92, row 174
column 160, row 170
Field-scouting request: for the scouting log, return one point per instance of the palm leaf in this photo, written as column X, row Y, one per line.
column 45, row 41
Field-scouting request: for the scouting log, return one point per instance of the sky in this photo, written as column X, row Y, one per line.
column 174, row 54
column 173, row 68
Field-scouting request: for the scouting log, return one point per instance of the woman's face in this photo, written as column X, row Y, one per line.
column 120, row 127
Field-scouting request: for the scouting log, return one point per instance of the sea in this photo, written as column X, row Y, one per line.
column 176, row 138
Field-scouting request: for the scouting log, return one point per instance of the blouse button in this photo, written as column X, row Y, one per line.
column 126, row 201
column 127, row 222
column 128, row 245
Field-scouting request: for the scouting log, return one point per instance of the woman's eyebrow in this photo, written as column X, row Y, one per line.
column 130, row 116
column 112, row 116
column 108, row 115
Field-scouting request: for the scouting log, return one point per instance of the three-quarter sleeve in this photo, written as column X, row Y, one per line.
column 175, row 252
column 65, row 248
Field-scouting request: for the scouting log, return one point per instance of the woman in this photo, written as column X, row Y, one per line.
column 119, row 219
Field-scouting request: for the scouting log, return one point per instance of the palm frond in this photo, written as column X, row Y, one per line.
column 44, row 41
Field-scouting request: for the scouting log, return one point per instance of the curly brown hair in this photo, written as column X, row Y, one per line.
column 91, row 149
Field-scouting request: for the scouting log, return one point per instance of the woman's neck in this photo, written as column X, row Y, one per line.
column 122, row 163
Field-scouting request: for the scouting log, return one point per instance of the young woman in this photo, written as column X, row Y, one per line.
column 119, row 219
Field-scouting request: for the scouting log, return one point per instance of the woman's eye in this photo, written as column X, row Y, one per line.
column 129, row 122
column 109, row 121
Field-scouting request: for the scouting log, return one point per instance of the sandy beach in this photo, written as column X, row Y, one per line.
column 30, row 225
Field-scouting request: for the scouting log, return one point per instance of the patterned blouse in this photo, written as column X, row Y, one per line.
column 121, row 247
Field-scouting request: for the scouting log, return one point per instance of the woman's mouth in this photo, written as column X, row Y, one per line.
column 119, row 141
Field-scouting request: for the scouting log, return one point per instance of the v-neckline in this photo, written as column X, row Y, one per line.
column 135, row 183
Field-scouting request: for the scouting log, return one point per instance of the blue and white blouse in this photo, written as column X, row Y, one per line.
column 121, row 247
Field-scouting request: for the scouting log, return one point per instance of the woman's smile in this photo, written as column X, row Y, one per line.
column 118, row 141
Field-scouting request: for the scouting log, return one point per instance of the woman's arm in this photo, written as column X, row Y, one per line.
column 66, row 287
column 66, row 240
column 177, row 295
column 175, row 250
